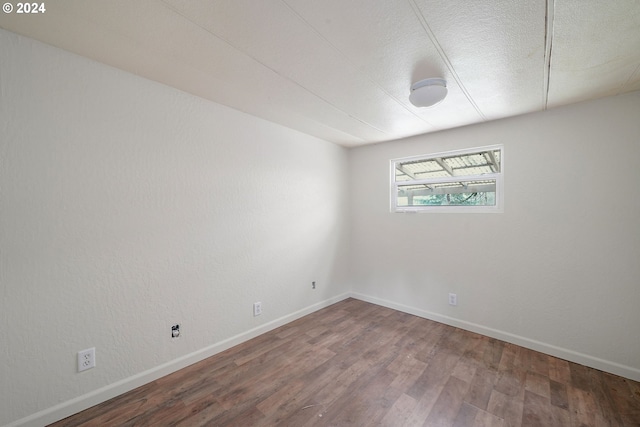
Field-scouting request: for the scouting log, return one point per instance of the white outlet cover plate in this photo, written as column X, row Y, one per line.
column 86, row 359
column 453, row 299
column 257, row 308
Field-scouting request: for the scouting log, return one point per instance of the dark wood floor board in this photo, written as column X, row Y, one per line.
column 466, row 416
column 264, row 382
column 322, row 377
column 476, row 348
column 457, row 341
column 631, row 419
column 560, row 417
column 435, row 374
column 583, row 407
column 623, row 394
column 337, row 323
column 199, row 379
column 605, row 399
column 279, row 398
column 296, row 410
column 446, row 408
column 493, row 353
column 422, row 339
column 138, row 401
column 358, row 364
column 559, row 370
column 330, row 319
column 405, row 368
column 243, row 414
column 559, row 397
column 334, row 378
column 540, row 364
column 272, row 378
column 353, row 333
column 511, row 383
column 359, row 374
column 441, row 362
column 201, row 412
column 538, row 384
column 465, row 370
column 423, row 407
column 370, row 400
column 508, row 357
column 400, row 411
column 328, row 394
column 580, row 376
column 285, row 333
column 166, row 414
column 523, row 359
column 538, row 412
column 480, row 388
column 634, row 387
column 370, row 312
column 486, row 419
column 270, row 350
column 249, row 346
column 506, row 407
column 233, row 385
column 327, row 337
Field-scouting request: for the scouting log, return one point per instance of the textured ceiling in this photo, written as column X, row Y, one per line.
column 341, row 70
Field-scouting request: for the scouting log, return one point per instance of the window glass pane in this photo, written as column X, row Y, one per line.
column 465, row 193
column 456, row 181
column 482, row 162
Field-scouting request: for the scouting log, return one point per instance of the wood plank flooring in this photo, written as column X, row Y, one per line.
column 359, row 364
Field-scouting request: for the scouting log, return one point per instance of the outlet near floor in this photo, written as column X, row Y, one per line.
column 257, row 309
column 86, row 359
column 453, row 299
column 175, row 331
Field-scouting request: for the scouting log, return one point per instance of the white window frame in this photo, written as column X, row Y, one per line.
column 498, row 176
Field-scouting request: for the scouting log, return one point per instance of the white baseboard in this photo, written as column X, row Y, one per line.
column 562, row 353
column 103, row 394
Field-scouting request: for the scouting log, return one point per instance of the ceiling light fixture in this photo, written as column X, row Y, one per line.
column 428, row 92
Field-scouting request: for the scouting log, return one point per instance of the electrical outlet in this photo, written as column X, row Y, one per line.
column 175, row 331
column 257, row 308
column 453, row 299
column 313, row 285
column 86, row 359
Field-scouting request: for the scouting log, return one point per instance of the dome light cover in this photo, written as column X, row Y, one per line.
column 428, row 92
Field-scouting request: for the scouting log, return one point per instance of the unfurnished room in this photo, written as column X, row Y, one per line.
column 320, row 213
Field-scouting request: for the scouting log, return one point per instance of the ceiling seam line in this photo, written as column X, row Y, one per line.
column 548, row 41
column 277, row 73
column 319, row 34
column 436, row 44
column 636, row 71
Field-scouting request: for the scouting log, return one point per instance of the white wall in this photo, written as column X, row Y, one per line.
column 126, row 206
column 558, row 271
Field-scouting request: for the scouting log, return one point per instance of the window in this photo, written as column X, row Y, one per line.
column 456, row 181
